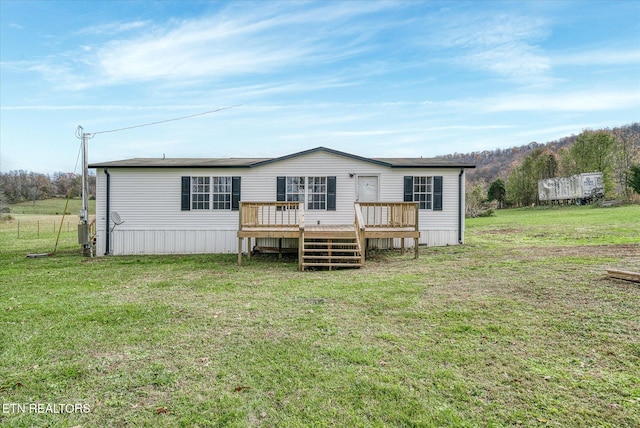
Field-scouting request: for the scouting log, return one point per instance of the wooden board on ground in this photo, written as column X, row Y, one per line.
column 623, row 274
column 37, row 256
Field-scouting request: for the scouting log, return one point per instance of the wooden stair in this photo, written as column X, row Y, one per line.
column 327, row 249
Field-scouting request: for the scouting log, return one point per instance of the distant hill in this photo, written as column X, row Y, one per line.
column 494, row 164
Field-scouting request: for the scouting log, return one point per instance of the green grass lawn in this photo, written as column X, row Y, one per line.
column 518, row 327
column 53, row 206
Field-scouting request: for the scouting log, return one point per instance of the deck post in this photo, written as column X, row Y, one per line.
column 240, row 210
column 301, row 251
column 249, row 247
column 416, row 241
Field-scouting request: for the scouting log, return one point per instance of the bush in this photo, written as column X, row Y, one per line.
column 486, row 213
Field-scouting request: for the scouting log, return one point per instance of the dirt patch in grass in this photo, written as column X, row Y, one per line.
column 500, row 231
column 620, row 250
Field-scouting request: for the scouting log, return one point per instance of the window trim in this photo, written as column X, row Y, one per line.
column 423, row 191
column 200, row 199
column 187, row 194
column 433, row 198
column 316, row 193
column 304, row 193
column 225, row 204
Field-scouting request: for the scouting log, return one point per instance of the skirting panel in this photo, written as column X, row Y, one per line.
column 125, row 242
column 439, row 238
column 173, row 242
column 431, row 238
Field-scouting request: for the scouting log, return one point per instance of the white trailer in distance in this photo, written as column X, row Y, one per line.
column 579, row 189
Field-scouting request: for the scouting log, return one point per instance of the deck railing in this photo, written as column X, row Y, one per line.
column 360, row 227
column 389, row 214
column 271, row 214
column 389, row 220
column 373, row 220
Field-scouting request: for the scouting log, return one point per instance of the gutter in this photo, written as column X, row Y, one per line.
column 107, row 246
column 460, row 213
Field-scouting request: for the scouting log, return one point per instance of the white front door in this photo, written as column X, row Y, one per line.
column 367, row 188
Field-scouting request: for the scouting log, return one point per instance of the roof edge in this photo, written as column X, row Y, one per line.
column 242, row 163
column 321, row 149
column 453, row 166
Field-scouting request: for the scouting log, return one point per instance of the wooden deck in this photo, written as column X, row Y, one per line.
column 337, row 231
column 328, row 245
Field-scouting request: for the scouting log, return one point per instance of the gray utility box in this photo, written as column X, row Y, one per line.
column 83, row 233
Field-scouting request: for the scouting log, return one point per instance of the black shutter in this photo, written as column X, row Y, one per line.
column 281, row 189
column 408, row 188
column 437, row 193
column 186, row 194
column 235, row 193
column 331, row 193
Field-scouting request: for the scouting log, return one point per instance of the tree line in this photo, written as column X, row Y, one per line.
column 20, row 186
column 614, row 152
column 507, row 176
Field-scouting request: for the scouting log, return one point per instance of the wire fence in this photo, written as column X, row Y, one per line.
column 28, row 229
column 29, row 233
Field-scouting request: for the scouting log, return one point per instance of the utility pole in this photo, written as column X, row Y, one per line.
column 83, row 227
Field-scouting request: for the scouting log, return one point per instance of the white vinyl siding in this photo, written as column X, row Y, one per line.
column 149, row 202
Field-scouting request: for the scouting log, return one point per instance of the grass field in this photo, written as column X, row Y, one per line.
column 519, row 327
column 51, row 207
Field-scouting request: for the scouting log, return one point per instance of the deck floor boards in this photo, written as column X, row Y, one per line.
column 326, row 230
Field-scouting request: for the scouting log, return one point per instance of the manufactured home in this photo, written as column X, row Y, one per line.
column 326, row 204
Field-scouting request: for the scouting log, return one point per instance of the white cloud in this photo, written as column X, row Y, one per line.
column 274, row 38
column 559, row 102
column 598, row 57
column 491, row 29
column 113, row 28
column 105, row 107
column 504, row 44
column 516, row 61
column 292, row 39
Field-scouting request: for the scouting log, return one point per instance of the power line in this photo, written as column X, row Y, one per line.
column 165, row 121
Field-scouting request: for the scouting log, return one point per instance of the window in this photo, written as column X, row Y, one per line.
column 200, row 193
column 318, row 193
column 313, row 190
column 425, row 190
column 295, row 189
column 206, row 193
column 221, row 193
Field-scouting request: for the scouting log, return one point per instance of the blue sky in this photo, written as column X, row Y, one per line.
column 372, row 78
